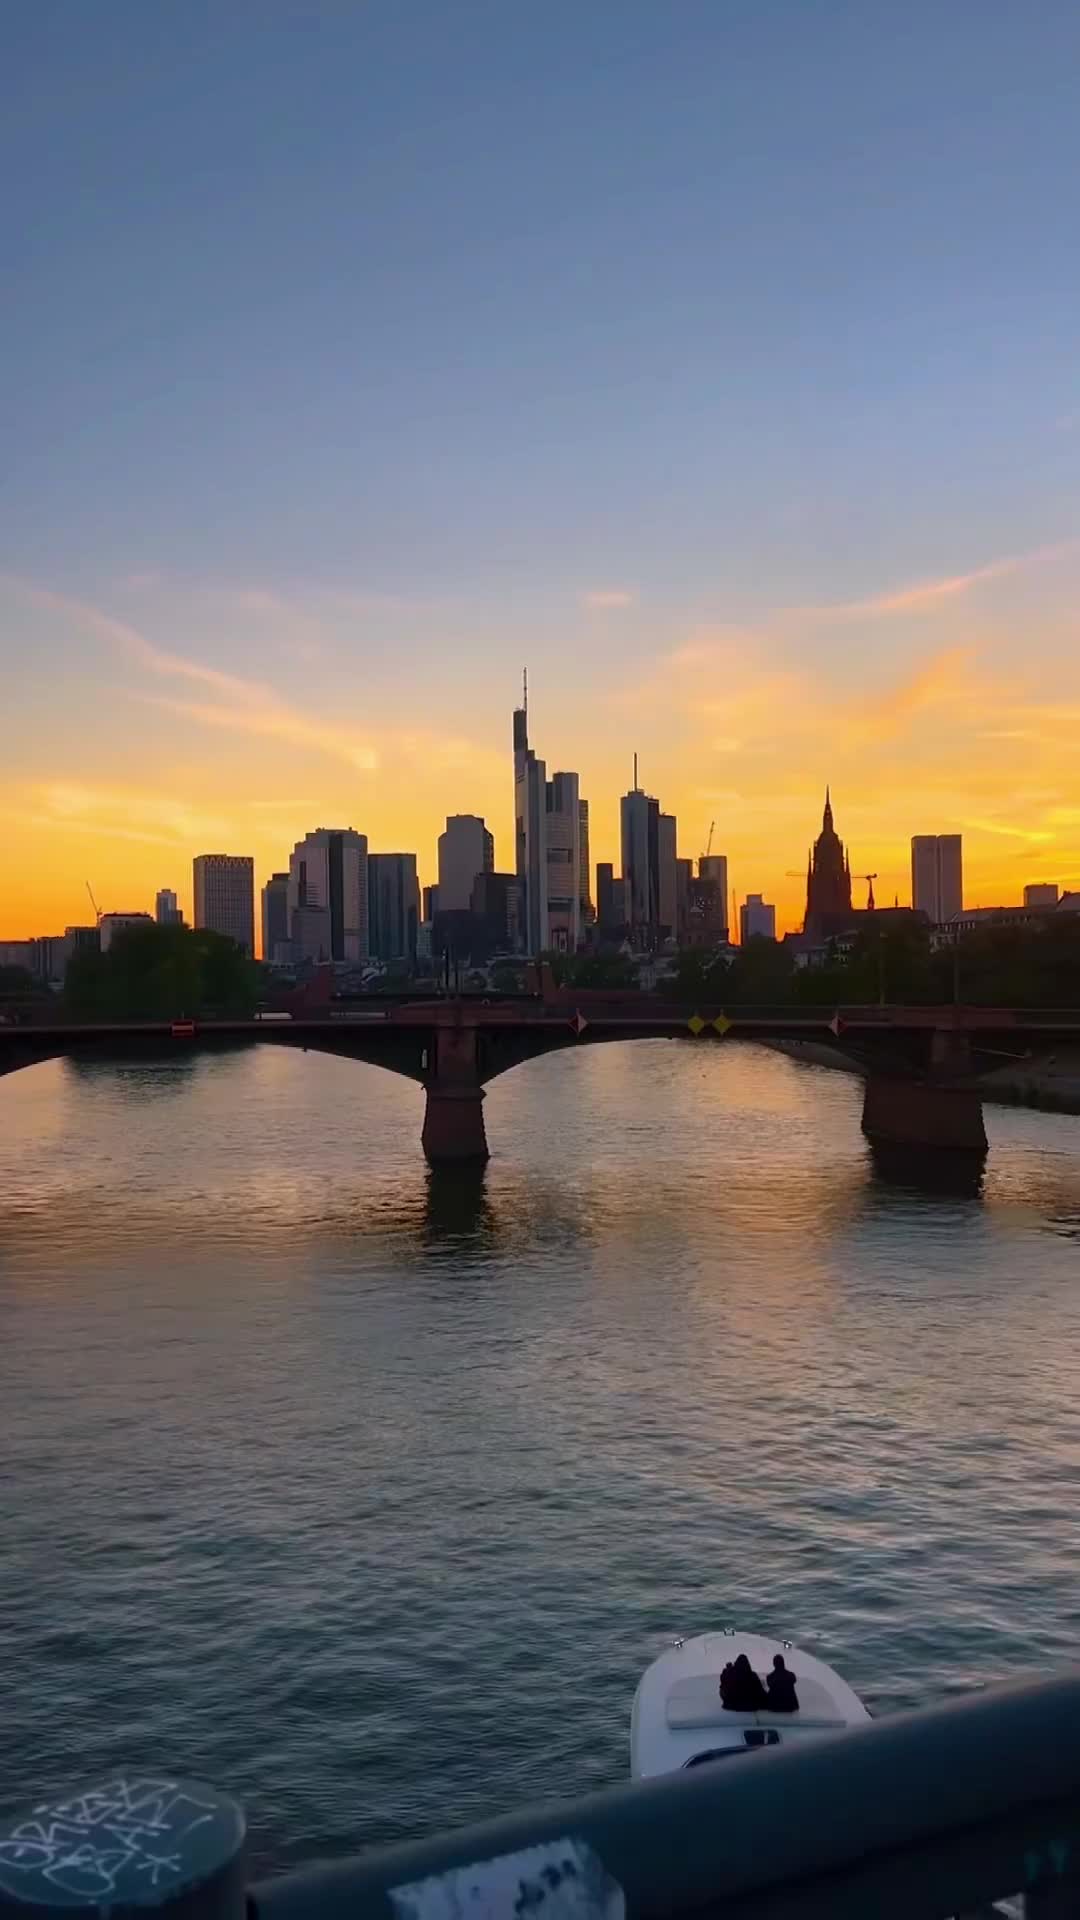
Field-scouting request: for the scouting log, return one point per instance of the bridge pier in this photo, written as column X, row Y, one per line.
column 454, row 1132
column 922, row 1115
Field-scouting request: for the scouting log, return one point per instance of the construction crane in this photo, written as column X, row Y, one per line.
column 94, row 904
column 708, row 844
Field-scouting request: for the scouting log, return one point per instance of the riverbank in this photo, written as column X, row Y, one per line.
column 1048, row 1082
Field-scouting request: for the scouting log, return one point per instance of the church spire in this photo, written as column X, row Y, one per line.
column 826, row 818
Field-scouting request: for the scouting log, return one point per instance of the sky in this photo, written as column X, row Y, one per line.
column 715, row 359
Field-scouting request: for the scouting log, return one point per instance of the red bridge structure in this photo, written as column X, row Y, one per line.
column 922, row 1065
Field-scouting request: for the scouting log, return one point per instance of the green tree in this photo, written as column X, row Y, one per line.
column 161, row 973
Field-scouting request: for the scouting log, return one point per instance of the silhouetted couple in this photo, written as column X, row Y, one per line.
column 743, row 1691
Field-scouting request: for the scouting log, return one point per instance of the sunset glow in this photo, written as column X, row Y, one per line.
column 312, row 448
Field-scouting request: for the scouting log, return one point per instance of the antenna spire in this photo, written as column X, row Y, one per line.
column 635, row 773
column 525, row 690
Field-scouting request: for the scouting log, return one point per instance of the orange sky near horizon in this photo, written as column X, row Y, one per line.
column 160, row 720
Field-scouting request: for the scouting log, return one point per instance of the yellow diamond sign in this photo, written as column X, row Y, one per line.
column 722, row 1023
column 696, row 1024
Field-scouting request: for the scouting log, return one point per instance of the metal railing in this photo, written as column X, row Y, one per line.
column 939, row 1812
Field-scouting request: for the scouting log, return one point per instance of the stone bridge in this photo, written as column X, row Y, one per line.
column 921, row 1064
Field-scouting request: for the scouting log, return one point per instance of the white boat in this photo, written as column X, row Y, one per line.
column 680, row 1721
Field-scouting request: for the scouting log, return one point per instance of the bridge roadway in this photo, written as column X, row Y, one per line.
column 921, row 1064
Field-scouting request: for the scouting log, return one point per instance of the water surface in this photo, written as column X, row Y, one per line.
column 367, row 1495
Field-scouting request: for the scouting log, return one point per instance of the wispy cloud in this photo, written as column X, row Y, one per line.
column 601, row 599
column 134, row 644
column 923, row 596
column 243, row 705
column 273, row 722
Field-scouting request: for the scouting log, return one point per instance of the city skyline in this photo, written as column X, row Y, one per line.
column 764, row 471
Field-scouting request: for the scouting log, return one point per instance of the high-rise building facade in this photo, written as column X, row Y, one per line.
column 393, row 906
column 668, row 875
column 563, row 840
column 937, row 875
column 328, row 889
column 530, row 836
column 167, row 909
column 496, row 907
column 713, row 867
column 466, row 848
column 757, row 919
column 1041, row 893
column 224, row 890
column 275, row 920
column 585, row 889
column 640, row 821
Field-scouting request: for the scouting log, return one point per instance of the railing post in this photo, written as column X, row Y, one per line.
column 133, row 1844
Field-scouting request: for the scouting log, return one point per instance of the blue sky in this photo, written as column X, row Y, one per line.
column 352, row 350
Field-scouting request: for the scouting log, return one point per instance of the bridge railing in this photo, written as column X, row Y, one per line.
column 937, row 1812
column 934, row 1813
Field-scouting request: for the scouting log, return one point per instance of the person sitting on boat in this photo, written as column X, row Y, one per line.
column 741, row 1691
column 781, row 1687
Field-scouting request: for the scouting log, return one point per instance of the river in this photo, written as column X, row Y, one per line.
column 367, row 1498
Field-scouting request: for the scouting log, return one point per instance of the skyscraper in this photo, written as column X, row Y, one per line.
column 393, row 906
column 225, row 896
column 530, row 834
column 563, row 837
column 937, row 875
column 684, row 873
column 668, row 875
column 328, row 890
column 466, row 848
column 166, row 909
column 828, row 880
column 640, row 819
column 757, row 919
column 275, row 918
column 585, row 891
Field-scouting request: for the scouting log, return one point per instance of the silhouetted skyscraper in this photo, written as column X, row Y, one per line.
column 465, row 849
column 224, row 890
column 393, row 906
column 275, row 918
column 530, row 835
column 937, row 875
column 563, row 837
column 640, row 819
column 667, row 882
column 166, row 909
column 328, row 887
column 757, row 919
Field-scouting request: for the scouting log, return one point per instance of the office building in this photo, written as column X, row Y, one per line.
column 18, row 953
column 713, row 867
column 937, row 876
column 393, row 906
column 530, row 835
column 757, row 919
column 167, row 909
column 431, row 903
column 110, row 924
column 276, row 946
column 465, row 849
column 706, row 914
column 586, row 894
column 668, row 876
column 640, row 821
column 328, row 875
column 496, row 909
column 224, row 894
column 563, row 848
column 1042, row 893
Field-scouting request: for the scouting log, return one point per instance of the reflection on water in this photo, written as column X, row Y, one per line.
column 368, row 1492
